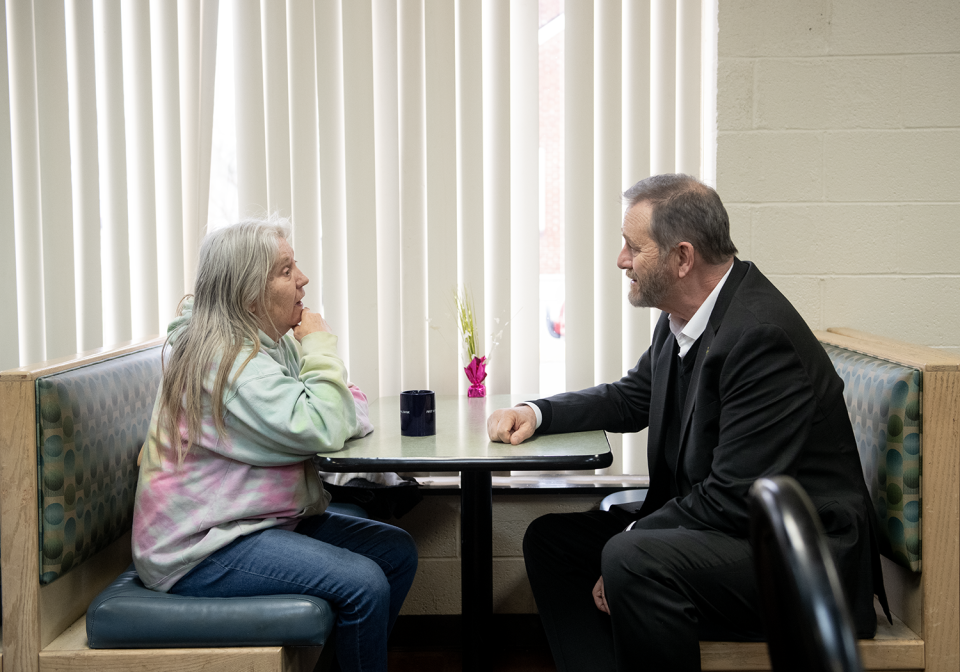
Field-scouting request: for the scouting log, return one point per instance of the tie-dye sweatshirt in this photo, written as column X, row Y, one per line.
column 288, row 404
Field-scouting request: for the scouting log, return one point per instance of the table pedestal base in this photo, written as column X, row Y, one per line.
column 476, row 562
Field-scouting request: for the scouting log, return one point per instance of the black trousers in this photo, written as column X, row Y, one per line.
column 666, row 589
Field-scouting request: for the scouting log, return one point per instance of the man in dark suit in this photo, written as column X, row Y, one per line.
column 733, row 387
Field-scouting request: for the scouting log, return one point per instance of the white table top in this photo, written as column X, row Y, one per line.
column 461, row 442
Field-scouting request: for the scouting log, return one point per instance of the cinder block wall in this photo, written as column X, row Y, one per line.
column 435, row 524
column 839, row 158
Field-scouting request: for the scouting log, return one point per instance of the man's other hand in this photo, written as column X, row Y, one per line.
column 599, row 598
column 512, row 425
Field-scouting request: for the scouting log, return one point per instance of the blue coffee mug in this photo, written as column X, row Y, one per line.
column 418, row 413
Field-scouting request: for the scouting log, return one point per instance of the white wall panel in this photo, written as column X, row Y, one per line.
column 85, row 168
column 56, row 190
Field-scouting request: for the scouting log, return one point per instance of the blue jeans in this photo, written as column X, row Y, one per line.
column 361, row 567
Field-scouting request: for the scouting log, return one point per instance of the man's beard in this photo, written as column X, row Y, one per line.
column 652, row 287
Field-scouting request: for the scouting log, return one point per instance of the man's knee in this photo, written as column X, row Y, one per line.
column 540, row 535
column 627, row 559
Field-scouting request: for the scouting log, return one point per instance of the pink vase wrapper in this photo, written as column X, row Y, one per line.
column 476, row 372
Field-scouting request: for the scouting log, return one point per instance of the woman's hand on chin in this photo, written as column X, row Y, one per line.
column 309, row 323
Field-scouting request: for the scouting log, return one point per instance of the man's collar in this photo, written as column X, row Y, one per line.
column 687, row 333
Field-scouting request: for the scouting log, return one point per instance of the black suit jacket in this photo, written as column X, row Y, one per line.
column 764, row 399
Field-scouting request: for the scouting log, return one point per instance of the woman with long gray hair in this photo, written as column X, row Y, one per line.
column 228, row 502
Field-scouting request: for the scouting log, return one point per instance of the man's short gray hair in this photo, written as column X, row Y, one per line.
column 685, row 210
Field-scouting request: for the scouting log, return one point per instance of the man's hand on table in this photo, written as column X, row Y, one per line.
column 512, row 425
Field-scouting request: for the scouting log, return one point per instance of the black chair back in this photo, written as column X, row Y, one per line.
column 805, row 613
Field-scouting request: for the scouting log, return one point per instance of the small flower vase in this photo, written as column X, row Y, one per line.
column 476, row 372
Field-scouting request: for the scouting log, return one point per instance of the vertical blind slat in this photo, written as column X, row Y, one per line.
column 361, row 203
column 688, row 87
column 663, row 85
column 198, row 57
column 441, row 125
column 169, row 179
column 606, row 206
column 709, row 29
column 304, row 166
column 636, row 166
column 189, row 20
column 606, row 201
column 636, row 149
column 496, row 189
column 9, row 337
column 524, row 198
column 470, row 185
column 251, row 132
column 578, row 181
column 56, row 190
column 273, row 16
column 111, row 133
column 25, row 145
column 332, row 190
column 85, row 169
column 387, row 157
column 413, row 244
column 141, row 194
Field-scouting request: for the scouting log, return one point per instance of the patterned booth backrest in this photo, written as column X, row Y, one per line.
column 884, row 401
column 91, row 423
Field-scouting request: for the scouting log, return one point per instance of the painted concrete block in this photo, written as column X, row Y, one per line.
column 894, row 27
column 931, row 90
column 435, row 589
column 512, row 514
column 777, row 166
column 828, row 93
column 794, row 28
column 740, row 228
column 929, row 239
column 511, row 588
column 892, row 165
column 919, row 310
column 735, row 94
column 803, row 291
column 434, row 524
column 826, row 238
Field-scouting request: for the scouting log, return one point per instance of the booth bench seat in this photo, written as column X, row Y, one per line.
column 70, row 433
column 904, row 402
